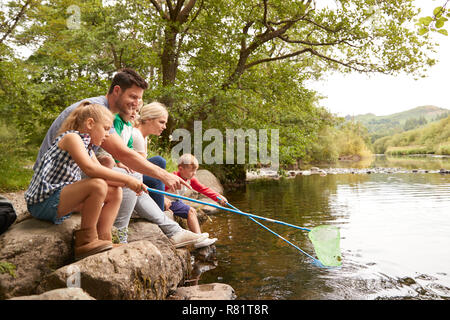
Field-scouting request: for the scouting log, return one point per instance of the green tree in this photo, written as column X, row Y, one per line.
column 230, row 63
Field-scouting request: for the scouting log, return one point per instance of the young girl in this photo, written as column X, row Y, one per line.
column 56, row 188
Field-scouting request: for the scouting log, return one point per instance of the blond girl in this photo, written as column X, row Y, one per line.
column 56, row 189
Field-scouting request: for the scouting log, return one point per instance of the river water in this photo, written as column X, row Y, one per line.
column 394, row 230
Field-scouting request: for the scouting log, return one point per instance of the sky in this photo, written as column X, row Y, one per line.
column 355, row 94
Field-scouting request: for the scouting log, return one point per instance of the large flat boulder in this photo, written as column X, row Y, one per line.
column 148, row 267
column 134, row 271
column 36, row 248
column 59, row 294
column 210, row 291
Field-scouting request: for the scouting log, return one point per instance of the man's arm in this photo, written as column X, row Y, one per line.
column 133, row 160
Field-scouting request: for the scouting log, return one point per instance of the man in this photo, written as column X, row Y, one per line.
column 125, row 94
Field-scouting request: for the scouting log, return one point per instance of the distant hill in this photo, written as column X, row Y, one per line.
column 381, row 126
column 433, row 138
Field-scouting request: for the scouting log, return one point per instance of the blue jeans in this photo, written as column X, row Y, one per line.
column 48, row 209
column 155, row 183
column 145, row 207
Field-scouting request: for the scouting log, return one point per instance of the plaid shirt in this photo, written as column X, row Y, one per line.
column 56, row 170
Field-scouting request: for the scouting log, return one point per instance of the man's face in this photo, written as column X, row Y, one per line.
column 128, row 100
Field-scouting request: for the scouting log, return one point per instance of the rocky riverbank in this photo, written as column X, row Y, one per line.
column 37, row 260
column 266, row 173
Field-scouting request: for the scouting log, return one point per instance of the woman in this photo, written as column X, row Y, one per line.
column 152, row 120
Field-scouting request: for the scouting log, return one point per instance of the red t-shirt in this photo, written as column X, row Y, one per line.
column 197, row 186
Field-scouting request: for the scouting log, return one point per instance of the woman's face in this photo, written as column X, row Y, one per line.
column 155, row 126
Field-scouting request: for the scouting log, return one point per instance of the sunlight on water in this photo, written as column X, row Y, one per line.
column 401, row 228
column 395, row 238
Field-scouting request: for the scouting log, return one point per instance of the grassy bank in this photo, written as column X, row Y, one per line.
column 408, row 150
column 433, row 138
column 16, row 160
column 349, row 140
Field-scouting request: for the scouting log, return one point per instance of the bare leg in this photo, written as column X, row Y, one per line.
column 87, row 194
column 192, row 221
column 110, row 209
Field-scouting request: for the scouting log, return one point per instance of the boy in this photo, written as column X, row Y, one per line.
column 187, row 168
column 123, row 128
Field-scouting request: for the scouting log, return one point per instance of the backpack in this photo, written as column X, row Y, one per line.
column 7, row 214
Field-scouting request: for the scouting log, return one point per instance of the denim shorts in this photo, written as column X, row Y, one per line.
column 48, row 209
column 180, row 209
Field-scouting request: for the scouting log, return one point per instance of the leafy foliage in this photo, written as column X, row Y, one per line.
column 228, row 63
column 432, row 138
column 435, row 22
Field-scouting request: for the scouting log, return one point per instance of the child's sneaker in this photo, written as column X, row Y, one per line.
column 185, row 238
column 205, row 243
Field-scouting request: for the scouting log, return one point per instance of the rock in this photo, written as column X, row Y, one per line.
column 212, row 291
column 59, row 294
column 149, row 267
column 135, row 271
column 203, row 209
column 199, row 268
column 36, row 248
column 208, row 253
column 208, row 179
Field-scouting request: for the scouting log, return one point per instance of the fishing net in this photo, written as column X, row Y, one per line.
column 326, row 241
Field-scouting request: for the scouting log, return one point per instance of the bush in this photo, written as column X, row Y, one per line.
column 16, row 160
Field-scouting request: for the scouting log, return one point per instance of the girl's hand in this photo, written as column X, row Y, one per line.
column 136, row 185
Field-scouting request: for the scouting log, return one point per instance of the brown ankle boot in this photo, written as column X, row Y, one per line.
column 107, row 236
column 87, row 243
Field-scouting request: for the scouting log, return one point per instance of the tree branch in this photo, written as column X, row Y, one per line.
column 194, row 17
column 349, row 64
column 245, row 32
column 315, row 44
column 184, row 14
column 328, row 29
column 15, row 21
column 170, row 6
column 160, row 9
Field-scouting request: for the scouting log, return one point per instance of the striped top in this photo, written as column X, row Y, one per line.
column 56, row 170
